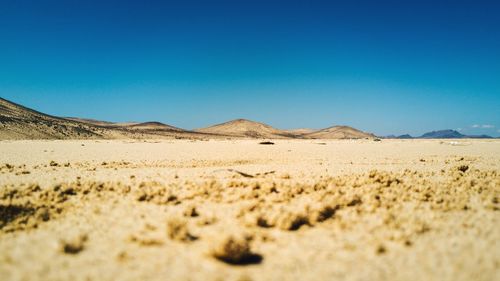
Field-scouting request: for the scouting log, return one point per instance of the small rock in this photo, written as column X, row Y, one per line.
column 381, row 250
column 191, row 212
column 235, row 250
column 74, row 245
column 463, row 168
column 43, row 214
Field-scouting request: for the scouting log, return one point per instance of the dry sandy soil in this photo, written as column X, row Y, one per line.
column 238, row 210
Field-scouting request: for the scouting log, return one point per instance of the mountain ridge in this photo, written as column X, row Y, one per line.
column 441, row 134
column 20, row 122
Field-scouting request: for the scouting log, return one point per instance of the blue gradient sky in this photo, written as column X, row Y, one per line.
column 388, row 67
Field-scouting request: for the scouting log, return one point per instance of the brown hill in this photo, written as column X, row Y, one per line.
column 19, row 122
column 150, row 126
column 339, row 132
column 246, row 128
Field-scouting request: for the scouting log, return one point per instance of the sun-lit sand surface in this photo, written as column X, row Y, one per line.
column 238, row 210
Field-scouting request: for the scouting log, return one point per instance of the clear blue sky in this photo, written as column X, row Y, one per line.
column 388, row 67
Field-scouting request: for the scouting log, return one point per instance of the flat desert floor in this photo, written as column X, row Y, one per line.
column 238, row 210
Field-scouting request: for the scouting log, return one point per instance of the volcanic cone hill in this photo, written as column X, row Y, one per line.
column 246, row 128
column 339, row 132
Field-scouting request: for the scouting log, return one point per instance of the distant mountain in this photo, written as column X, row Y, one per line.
column 339, row 132
column 405, row 136
column 451, row 134
column 442, row 134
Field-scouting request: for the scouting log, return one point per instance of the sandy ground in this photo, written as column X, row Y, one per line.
column 237, row 210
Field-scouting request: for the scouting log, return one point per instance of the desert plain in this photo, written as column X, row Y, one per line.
column 239, row 210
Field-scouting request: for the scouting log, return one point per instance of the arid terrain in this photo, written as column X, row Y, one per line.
column 21, row 123
column 301, row 209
